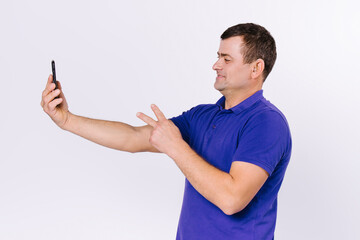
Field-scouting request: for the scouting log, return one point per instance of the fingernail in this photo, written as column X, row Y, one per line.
column 138, row 114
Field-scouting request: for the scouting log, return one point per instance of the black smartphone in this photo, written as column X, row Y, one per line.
column 53, row 72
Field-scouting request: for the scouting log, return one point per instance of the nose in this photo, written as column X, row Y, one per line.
column 217, row 65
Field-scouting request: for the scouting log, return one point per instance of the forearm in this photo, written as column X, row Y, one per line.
column 215, row 185
column 110, row 134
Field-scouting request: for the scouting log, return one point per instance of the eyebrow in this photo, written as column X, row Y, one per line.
column 223, row 54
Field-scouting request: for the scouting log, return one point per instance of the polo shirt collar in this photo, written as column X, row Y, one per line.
column 243, row 105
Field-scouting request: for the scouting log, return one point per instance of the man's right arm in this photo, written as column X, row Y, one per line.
column 110, row 134
column 116, row 135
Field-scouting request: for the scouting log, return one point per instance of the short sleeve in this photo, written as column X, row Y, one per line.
column 264, row 140
column 183, row 123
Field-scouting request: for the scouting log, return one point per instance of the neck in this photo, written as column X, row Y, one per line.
column 235, row 98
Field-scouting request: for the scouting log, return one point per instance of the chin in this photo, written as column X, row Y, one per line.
column 219, row 87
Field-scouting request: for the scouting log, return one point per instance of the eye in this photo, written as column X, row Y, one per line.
column 227, row 60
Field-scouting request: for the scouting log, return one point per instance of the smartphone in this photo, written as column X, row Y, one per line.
column 53, row 72
column 54, row 75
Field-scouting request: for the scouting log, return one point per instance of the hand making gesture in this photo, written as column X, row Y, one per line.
column 165, row 137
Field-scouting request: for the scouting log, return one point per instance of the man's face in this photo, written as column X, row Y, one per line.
column 232, row 74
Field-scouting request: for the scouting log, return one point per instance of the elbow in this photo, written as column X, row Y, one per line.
column 132, row 150
column 232, row 210
column 232, row 206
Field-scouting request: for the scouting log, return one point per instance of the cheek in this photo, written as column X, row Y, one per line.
column 234, row 74
column 240, row 73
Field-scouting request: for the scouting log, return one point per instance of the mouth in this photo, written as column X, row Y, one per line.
column 219, row 77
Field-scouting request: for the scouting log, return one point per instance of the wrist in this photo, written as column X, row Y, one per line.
column 181, row 148
column 67, row 122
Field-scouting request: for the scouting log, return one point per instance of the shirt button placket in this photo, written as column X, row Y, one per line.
column 216, row 121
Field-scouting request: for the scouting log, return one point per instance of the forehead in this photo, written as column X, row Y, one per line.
column 231, row 46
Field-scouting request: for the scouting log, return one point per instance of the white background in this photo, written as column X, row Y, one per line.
column 115, row 58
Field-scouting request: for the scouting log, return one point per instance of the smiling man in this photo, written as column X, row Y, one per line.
column 233, row 153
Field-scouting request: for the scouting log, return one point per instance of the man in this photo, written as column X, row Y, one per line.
column 233, row 153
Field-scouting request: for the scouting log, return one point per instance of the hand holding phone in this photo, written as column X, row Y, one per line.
column 53, row 101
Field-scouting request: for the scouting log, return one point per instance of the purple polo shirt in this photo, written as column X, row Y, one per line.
column 254, row 131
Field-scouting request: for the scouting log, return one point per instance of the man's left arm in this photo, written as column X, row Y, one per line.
column 231, row 192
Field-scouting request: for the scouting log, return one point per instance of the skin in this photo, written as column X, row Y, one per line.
column 236, row 80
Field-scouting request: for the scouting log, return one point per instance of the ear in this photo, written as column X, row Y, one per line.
column 258, row 67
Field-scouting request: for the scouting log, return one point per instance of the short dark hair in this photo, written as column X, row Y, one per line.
column 258, row 44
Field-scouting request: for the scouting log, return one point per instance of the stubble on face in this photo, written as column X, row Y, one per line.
column 230, row 69
column 220, row 83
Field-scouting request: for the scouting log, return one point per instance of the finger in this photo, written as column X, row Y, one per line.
column 48, row 89
column 146, row 119
column 50, row 79
column 53, row 104
column 158, row 113
column 47, row 99
column 49, row 86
